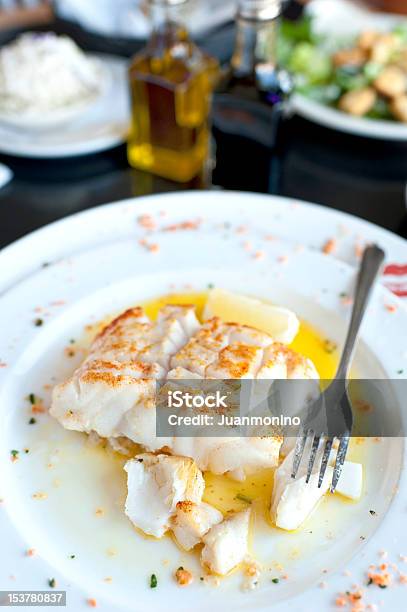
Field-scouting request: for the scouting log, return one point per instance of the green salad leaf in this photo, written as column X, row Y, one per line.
column 309, row 61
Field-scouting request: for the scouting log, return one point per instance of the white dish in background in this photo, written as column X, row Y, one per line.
column 341, row 18
column 99, row 125
column 59, row 118
column 337, row 120
column 101, row 267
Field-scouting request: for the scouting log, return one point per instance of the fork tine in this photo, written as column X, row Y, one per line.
column 314, row 450
column 299, row 451
column 340, row 458
column 325, row 460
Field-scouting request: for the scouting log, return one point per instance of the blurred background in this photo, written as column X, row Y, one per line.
column 302, row 99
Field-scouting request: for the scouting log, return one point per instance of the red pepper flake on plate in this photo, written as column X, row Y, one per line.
column 346, row 299
column 30, row 552
column 183, row 577
column 363, row 406
column 259, row 255
column 149, row 246
column 14, row 455
column 147, row 222
column 183, row 225
column 329, row 246
column 91, row 602
column 390, row 307
column 382, row 580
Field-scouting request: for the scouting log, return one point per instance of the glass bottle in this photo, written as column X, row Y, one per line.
column 171, row 84
column 250, row 101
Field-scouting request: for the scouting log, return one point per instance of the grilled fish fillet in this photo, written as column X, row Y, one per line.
column 113, row 391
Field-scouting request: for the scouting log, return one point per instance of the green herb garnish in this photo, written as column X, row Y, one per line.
column 14, row 453
column 153, row 581
column 330, row 347
column 32, row 399
column 52, row 583
column 38, row 322
column 243, row 498
column 275, row 580
column 32, row 421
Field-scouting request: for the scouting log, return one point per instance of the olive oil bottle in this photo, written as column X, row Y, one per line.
column 171, row 83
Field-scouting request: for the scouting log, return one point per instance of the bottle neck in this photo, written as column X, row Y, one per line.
column 163, row 16
column 256, row 43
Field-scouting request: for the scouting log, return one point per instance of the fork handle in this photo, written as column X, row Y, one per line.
column 372, row 260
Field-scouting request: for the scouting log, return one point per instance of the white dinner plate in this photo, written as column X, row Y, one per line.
column 337, row 120
column 56, row 119
column 95, row 265
column 100, row 125
column 338, row 19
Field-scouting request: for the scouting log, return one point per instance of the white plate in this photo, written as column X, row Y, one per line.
column 337, row 120
column 339, row 18
column 97, row 126
column 101, row 267
column 58, row 118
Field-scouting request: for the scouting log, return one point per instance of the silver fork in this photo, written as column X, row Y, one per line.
column 334, row 401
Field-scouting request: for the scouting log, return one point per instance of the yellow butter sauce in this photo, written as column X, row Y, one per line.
column 221, row 491
column 308, row 341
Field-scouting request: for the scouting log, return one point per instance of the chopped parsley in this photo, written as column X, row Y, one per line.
column 372, row 512
column 32, row 421
column 52, row 583
column 330, row 347
column 32, row 399
column 400, row 371
column 72, row 556
column 369, row 582
column 153, row 581
column 211, row 285
column 14, row 453
column 243, row 498
column 38, row 322
column 275, row 580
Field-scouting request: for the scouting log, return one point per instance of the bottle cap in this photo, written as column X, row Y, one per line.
column 261, row 10
column 167, row 2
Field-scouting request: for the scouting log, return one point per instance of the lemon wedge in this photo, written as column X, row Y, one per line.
column 282, row 324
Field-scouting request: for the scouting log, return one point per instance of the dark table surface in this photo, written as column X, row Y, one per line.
column 361, row 176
